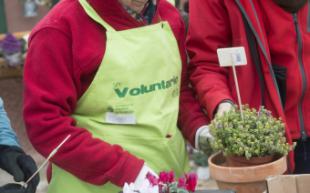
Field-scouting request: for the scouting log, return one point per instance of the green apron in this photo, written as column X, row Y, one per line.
column 133, row 101
column 172, row 2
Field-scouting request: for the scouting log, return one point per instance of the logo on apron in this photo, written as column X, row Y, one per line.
column 123, row 92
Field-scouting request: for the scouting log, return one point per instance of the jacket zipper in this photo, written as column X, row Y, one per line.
column 303, row 77
column 260, row 44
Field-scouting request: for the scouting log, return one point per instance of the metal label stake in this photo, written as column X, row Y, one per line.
column 234, row 58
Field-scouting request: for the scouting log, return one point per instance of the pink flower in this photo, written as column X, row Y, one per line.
column 191, row 182
column 171, row 176
column 152, row 179
column 166, row 177
column 166, row 181
column 182, row 183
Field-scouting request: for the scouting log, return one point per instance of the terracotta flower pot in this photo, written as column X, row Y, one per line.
column 246, row 179
column 240, row 161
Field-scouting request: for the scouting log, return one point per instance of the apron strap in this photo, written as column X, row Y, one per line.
column 94, row 15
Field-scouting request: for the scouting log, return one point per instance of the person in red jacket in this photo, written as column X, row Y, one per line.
column 112, row 74
column 276, row 38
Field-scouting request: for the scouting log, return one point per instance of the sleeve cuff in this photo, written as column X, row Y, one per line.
column 199, row 131
column 129, row 172
column 142, row 175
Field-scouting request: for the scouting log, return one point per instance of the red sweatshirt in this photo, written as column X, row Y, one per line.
column 65, row 51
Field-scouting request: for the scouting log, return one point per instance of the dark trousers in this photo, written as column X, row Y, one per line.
column 302, row 157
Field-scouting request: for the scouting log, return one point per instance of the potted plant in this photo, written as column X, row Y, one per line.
column 201, row 161
column 11, row 49
column 252, row 148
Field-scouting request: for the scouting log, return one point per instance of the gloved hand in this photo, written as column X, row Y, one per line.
column 142, row 184
column 223, row 107
column 19, row 165
column 203, row 136
column 12, row 188
column 203, row 140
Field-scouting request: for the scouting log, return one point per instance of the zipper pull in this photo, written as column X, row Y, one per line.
column 304, row 136
column 295, row 18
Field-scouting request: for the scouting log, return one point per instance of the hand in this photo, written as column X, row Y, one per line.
column 142, row 184
column 203, row 140
column 12, row 188
column 19, row 165
column 223, row 107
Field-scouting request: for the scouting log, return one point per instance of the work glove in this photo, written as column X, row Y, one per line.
column 203, row 140
column 224, row 107
column 13, row 188
column 19, row 165
column 142, row 184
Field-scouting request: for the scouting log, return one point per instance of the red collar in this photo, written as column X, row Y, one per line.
column 113, row 12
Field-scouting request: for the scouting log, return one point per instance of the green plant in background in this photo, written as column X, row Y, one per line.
column 258, row 134
column 200, row 158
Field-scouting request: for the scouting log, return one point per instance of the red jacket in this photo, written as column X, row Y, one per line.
column 274, row 43
column 65, row 50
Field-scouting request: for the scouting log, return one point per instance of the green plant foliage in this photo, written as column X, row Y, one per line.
column 259, row 134
column 204, row 146
column 200, row 158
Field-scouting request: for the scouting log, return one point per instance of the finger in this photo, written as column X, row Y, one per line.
column 31, row 188
column 28, row 167
column 18, row 174
column 12, row 188
column 13, row 168
column 32, row 185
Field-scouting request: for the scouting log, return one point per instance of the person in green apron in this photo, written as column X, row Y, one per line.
column 112, row 73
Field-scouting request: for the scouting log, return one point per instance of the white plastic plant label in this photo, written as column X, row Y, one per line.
column 231, row 56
